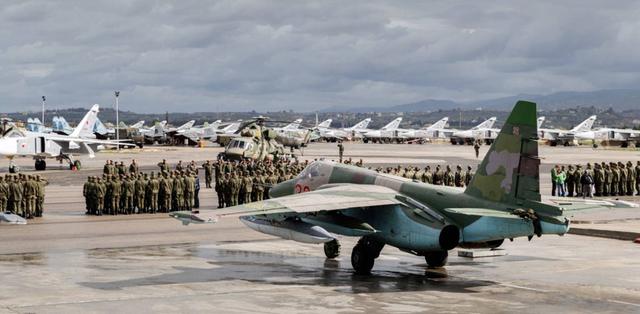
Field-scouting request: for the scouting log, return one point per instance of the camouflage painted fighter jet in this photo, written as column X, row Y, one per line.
column 327, row 199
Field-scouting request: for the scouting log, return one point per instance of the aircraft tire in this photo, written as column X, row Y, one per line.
column 332, row 249
column 364, row 254
column 436, row 259
column 361, row 259
column 40, row 165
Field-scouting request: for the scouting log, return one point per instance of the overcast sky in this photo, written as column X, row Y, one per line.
column 245, row 55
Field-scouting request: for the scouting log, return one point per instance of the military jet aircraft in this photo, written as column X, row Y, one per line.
column 351, row 133
column 625, row 137
column 50, row 145
column 327, row 199
column 207, row 131
column 483, row 132
column 387, row 133
column 436, row 130
column 582, row 131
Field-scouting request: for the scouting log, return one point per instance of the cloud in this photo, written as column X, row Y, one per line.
column 246, row 55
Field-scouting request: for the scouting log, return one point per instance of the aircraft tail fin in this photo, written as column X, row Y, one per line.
column 585, row 125
column 187, row 125
column 393, row 124
column 362, row 124
column 325, row 124
column 509, row 172
column 293, row 125
column 85, row 126
column 486, row 124
column 138, row 124
column 540, row 121
column 440, row 124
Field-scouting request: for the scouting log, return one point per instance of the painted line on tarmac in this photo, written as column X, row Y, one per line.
column 623, row 302
column 525, row 288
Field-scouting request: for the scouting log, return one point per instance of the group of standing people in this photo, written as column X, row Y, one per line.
column 599, row 179
column 246, row 181
column 22, row 195
column 125, row 190
column 437, row 176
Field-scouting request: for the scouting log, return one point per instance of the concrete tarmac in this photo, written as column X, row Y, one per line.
column 67, row 262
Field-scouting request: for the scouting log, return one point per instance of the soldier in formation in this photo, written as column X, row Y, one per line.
column 23, row 195
column 456, row 178
column 598, row 179
column 129, row 191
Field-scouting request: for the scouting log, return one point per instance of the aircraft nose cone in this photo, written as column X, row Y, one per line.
column 282, row 189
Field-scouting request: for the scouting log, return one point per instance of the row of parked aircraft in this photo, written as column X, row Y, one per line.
column 484, row 132
column 59, row 141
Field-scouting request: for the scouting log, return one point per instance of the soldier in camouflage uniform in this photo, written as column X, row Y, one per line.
column 154, row 187
column 615, row 179
column 468, row 175
column 259, row 186
column 4, row 195
column 100, row 191
column 208, row 173
column 458, row 179
column 638, row 178
column 608, row 180
column 16, row 196
column 571, row 181
column 622, row 183
column 598, row 180
column 427, row 176
column 631, row 178
column 247, row 184
column 178, row 189
column 116, row 190
column 86, row 190
column 438, row 176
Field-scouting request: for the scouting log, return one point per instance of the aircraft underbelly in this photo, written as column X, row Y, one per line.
column 397, row 229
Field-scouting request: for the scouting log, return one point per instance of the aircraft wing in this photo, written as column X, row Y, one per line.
column 334, row 198
column 62, row 138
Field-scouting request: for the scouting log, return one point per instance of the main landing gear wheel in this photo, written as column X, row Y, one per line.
column 332, row 249
column 364, row 254
column 41, row 165
column 436, row 259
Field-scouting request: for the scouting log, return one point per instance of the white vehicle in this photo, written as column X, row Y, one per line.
column 582, row 131
column 62, row 147
column 482, row 132
column 389, row 132
column 207, row 131
column 333, row 135
column 434, row 131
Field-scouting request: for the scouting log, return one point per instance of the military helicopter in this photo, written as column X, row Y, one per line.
column 255, row 140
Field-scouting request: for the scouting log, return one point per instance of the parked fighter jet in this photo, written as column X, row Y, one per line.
column 195, row 134
column 625, row 137
column 482, row 132
column 61, row 126
column 62, row 147
column 388, row 132
column 569, row 137
column 436, row 130
column 333, row 135
column 501, row 202
column 35, row 125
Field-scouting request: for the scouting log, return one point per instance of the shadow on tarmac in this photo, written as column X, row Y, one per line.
column 285, row 269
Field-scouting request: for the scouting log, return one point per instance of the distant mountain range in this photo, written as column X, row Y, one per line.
column 618, row 99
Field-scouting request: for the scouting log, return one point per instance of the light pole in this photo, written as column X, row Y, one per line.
column 117, row 120
column 44, row 100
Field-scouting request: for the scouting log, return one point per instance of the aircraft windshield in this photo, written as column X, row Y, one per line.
column 312, row 170
column 237, row 144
